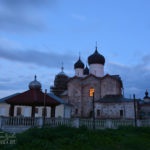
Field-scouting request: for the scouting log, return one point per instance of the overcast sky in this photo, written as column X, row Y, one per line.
column 36, row 36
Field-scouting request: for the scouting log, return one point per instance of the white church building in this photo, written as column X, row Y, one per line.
column 109, row 101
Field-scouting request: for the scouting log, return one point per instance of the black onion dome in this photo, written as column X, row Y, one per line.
column 79, row 64
column 86, row 71
column 146, row 95
column 35, row 84
column 96, row 58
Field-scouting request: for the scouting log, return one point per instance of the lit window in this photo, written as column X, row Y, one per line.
column 92, row 90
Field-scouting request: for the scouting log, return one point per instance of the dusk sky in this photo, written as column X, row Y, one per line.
column 36, row 36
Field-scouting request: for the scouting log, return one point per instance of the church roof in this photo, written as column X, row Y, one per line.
column 62, row 73
column 32, row 97
column 79, row 64
column 114, row 77
column 146, row 95
column 74, row 77
column 56, row 98
column 96, row 58
column 114, row 99
column 86, row 71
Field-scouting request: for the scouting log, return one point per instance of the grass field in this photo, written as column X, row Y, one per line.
column 64, row 138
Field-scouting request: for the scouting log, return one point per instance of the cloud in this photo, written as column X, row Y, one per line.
column 135, row 78
column 23, row 3
column 23, row 15
column 32, row 56
column 20, row 23
column 146, row 59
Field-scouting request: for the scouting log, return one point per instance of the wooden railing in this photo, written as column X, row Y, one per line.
column 145, row 123
column 99, row 124
column 19, row 121
column 74, row 122
column 58, row 122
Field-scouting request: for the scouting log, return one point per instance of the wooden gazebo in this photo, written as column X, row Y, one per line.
column 33, row 98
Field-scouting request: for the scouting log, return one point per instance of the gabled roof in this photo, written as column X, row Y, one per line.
column 64, row 93
column 61, row 101
column 114, row 98
column 8, row 97
column 108, row 75
column 114, row 77
column 75, row 77
column 91, row 75
column 32, row 97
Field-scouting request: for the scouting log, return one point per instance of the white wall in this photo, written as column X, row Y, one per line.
column 4, row 109
column 79, row 72
column 112, row 110
column 97, row 70
column 61, row 110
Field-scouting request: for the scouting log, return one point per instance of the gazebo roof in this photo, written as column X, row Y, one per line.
column 32, row 98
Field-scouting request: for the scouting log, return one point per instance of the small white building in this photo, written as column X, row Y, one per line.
column 31, row 103
column 62, row 111
column 115, row 107
column 144, row 107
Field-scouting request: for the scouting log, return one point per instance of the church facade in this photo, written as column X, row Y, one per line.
column 108, row 98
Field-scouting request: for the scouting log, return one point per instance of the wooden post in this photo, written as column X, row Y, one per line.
column 93, row 112
column 11, row 110
column 33, row 112
column 53, row 111
column 92, row 92
column 44, row 109
column 135, row 115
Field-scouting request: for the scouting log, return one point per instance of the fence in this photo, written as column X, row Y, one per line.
column 27, row 122
column 19, row 121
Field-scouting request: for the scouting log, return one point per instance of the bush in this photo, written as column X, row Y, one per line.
column 67, row 138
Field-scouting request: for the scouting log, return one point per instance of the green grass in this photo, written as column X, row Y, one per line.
column 64, row 138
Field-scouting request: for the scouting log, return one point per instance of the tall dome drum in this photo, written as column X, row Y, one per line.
column 96, row 63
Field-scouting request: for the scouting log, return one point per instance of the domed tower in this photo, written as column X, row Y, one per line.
column 146, row 98
column 35, row 85
column 79, row 67
column 86, row 70
column 96, row 63
column 60, row 83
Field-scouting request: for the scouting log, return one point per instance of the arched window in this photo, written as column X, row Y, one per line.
column 91, row 92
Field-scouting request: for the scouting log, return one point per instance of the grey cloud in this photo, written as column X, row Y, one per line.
column 146, row 59
column 25, row 3
column 20, row 23
column 12, row 84
column 22, row 15
column 37, row 57
column 135, row 78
